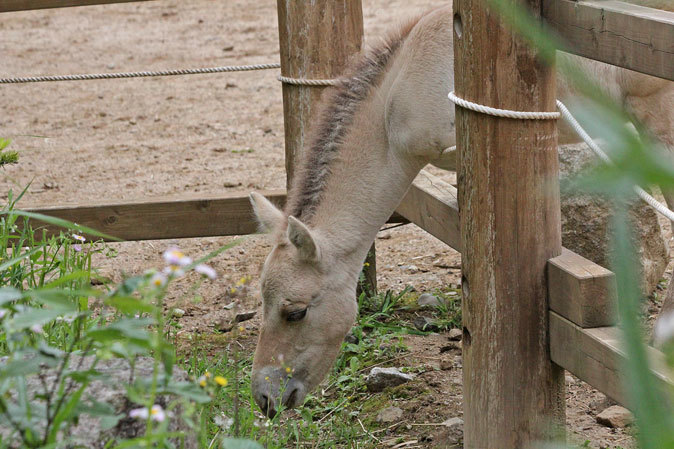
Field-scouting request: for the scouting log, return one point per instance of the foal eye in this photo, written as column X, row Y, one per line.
column 297, row 315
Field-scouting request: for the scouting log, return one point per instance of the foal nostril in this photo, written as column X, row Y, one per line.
column 267, row 406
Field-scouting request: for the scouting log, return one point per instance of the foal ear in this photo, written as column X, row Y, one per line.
column 300, row 236
column 268, row 215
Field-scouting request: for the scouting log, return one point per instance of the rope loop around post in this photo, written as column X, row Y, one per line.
column 521, row 115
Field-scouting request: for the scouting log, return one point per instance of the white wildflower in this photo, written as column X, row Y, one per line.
column 173, row 256
column 156, row 413
column 664, row 329
column 206, row 270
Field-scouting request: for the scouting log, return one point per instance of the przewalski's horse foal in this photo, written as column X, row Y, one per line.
column 388, row 118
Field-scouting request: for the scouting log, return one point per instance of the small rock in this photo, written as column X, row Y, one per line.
column 615, row 416
column 569, row 380
column 390, row 414
column 178, row 313
column 429, row 300
column 455, row 334
column 49, row 185
column 381, row 378
column 425, row 324
column 228, row 48
column 453, row 345
column 228, row 184
column 446, row 365
column 224, row 325
column 410, row 268
column 350, row 338
column 453, row 422
column 244, row 316
column 440, row 264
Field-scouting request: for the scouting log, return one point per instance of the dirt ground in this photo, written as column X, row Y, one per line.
column 86, row 142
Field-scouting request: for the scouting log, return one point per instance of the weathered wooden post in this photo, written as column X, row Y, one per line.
column 510, row 227
column 317, row 39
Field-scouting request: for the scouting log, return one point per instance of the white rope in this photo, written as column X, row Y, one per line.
column 306, row 82
column 522, row 115
column 102, row 76
column 655, row 204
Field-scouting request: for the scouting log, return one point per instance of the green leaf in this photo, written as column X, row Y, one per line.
column 129, row 305
column 25, row 364
column 239, row 443
column 32, row 317
column 9, row 294
column 129, row 286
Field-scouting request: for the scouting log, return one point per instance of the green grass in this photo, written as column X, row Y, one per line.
column 341, row 412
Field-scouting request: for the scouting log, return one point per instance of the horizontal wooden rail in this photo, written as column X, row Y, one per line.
column 432, row 204
column 167, row 218
column 24, row 5
column 618, row 33
column 595, row 356
column 170, row 217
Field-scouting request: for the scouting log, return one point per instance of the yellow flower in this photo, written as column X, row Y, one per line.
column 241, row 329
column 366, row 264
column 266, row 378
column 288, row 370
column 233, row 290
column 207, row 374
column 220, row 381
column 202, row 381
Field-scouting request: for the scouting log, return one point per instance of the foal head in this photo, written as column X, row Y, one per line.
column 308, row 307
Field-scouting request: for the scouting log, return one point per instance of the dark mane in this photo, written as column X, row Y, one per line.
column 336, row 116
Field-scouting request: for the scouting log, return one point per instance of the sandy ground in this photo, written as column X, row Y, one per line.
column 84, row 142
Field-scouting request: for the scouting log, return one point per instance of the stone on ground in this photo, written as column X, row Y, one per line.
column 428, row 300
column 455, row 334
column 615, row 416
column 382, row 378
column 390, row 414
column 585, row 223
column 425, row 324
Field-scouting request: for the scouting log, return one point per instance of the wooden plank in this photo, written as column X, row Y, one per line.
column 595, row 356
column 167, row 218
column 170, row 218
column 316, row 40
column 24, row 5
column 510, row 215
column 432, row 204
column 618, row 33
column 581, row 291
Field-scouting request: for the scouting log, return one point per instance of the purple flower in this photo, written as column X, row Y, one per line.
column 206, row 271
column 173, row 256
column 77, row 247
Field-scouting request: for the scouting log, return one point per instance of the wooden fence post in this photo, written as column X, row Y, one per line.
column 317, row 39
column 510, row 227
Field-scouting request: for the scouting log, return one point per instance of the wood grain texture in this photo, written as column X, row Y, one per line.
column 167, row 218
column 510, row 227
column 581, row 291
column 316, row 39
column 432, row 204
column 170, row 217
column 595, row 356
column 23, row 5
column 630, row 36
